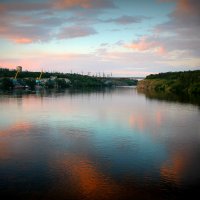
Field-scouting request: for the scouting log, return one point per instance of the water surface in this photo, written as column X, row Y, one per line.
column 110, row 144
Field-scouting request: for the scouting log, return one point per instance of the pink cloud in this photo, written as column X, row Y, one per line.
column 41, row 60
column 161, row 50
column 142, row 45
column 146, row 45
column 184, row 26
column 86, row 4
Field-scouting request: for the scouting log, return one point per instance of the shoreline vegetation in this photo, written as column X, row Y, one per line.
column 170, row 86
column 179, row 83
column 182, row 87
column 27, row 80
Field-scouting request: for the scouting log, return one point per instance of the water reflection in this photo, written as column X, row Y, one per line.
column 174, row 169
column 110, row 144
column 86, row 178
column 171, row 97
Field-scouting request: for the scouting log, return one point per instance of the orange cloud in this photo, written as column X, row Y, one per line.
column 23, row 40
column 184, row 7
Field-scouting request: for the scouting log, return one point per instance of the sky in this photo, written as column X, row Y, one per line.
column 124, row 37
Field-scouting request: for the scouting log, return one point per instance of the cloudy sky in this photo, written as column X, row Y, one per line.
column 122, row 37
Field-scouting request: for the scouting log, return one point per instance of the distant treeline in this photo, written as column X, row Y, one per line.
column 26, row 78
column 187, row 82
column 4, row 72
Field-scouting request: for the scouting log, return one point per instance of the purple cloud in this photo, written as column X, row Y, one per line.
column 180, row 33
column 13, row 6
column 76, row 32
column 126, row 19
column 28, row 22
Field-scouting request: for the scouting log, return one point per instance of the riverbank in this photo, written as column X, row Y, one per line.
column 187, row 82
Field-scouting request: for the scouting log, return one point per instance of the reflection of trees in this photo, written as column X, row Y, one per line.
column 171, row 97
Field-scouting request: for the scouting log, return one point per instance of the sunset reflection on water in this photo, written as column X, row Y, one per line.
column 111, row 144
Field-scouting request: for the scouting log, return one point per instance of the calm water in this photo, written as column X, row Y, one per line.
column 111, row 144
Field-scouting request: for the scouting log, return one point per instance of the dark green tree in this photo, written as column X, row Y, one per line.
column 6, row 84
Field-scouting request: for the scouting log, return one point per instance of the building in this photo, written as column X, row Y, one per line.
column 19, row 68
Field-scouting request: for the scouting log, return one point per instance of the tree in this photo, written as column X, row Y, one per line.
column 6, row 84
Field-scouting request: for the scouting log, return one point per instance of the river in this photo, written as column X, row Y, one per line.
column 110, row 144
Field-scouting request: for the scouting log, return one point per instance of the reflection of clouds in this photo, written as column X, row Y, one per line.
column 137, row 121
column 4, row 151
column 80, row 178
column 87, row 180
column 126, row 135
column 6, row 147
column 18, row 127
column 173, row 170
column 158, row 118
column 142, row 121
